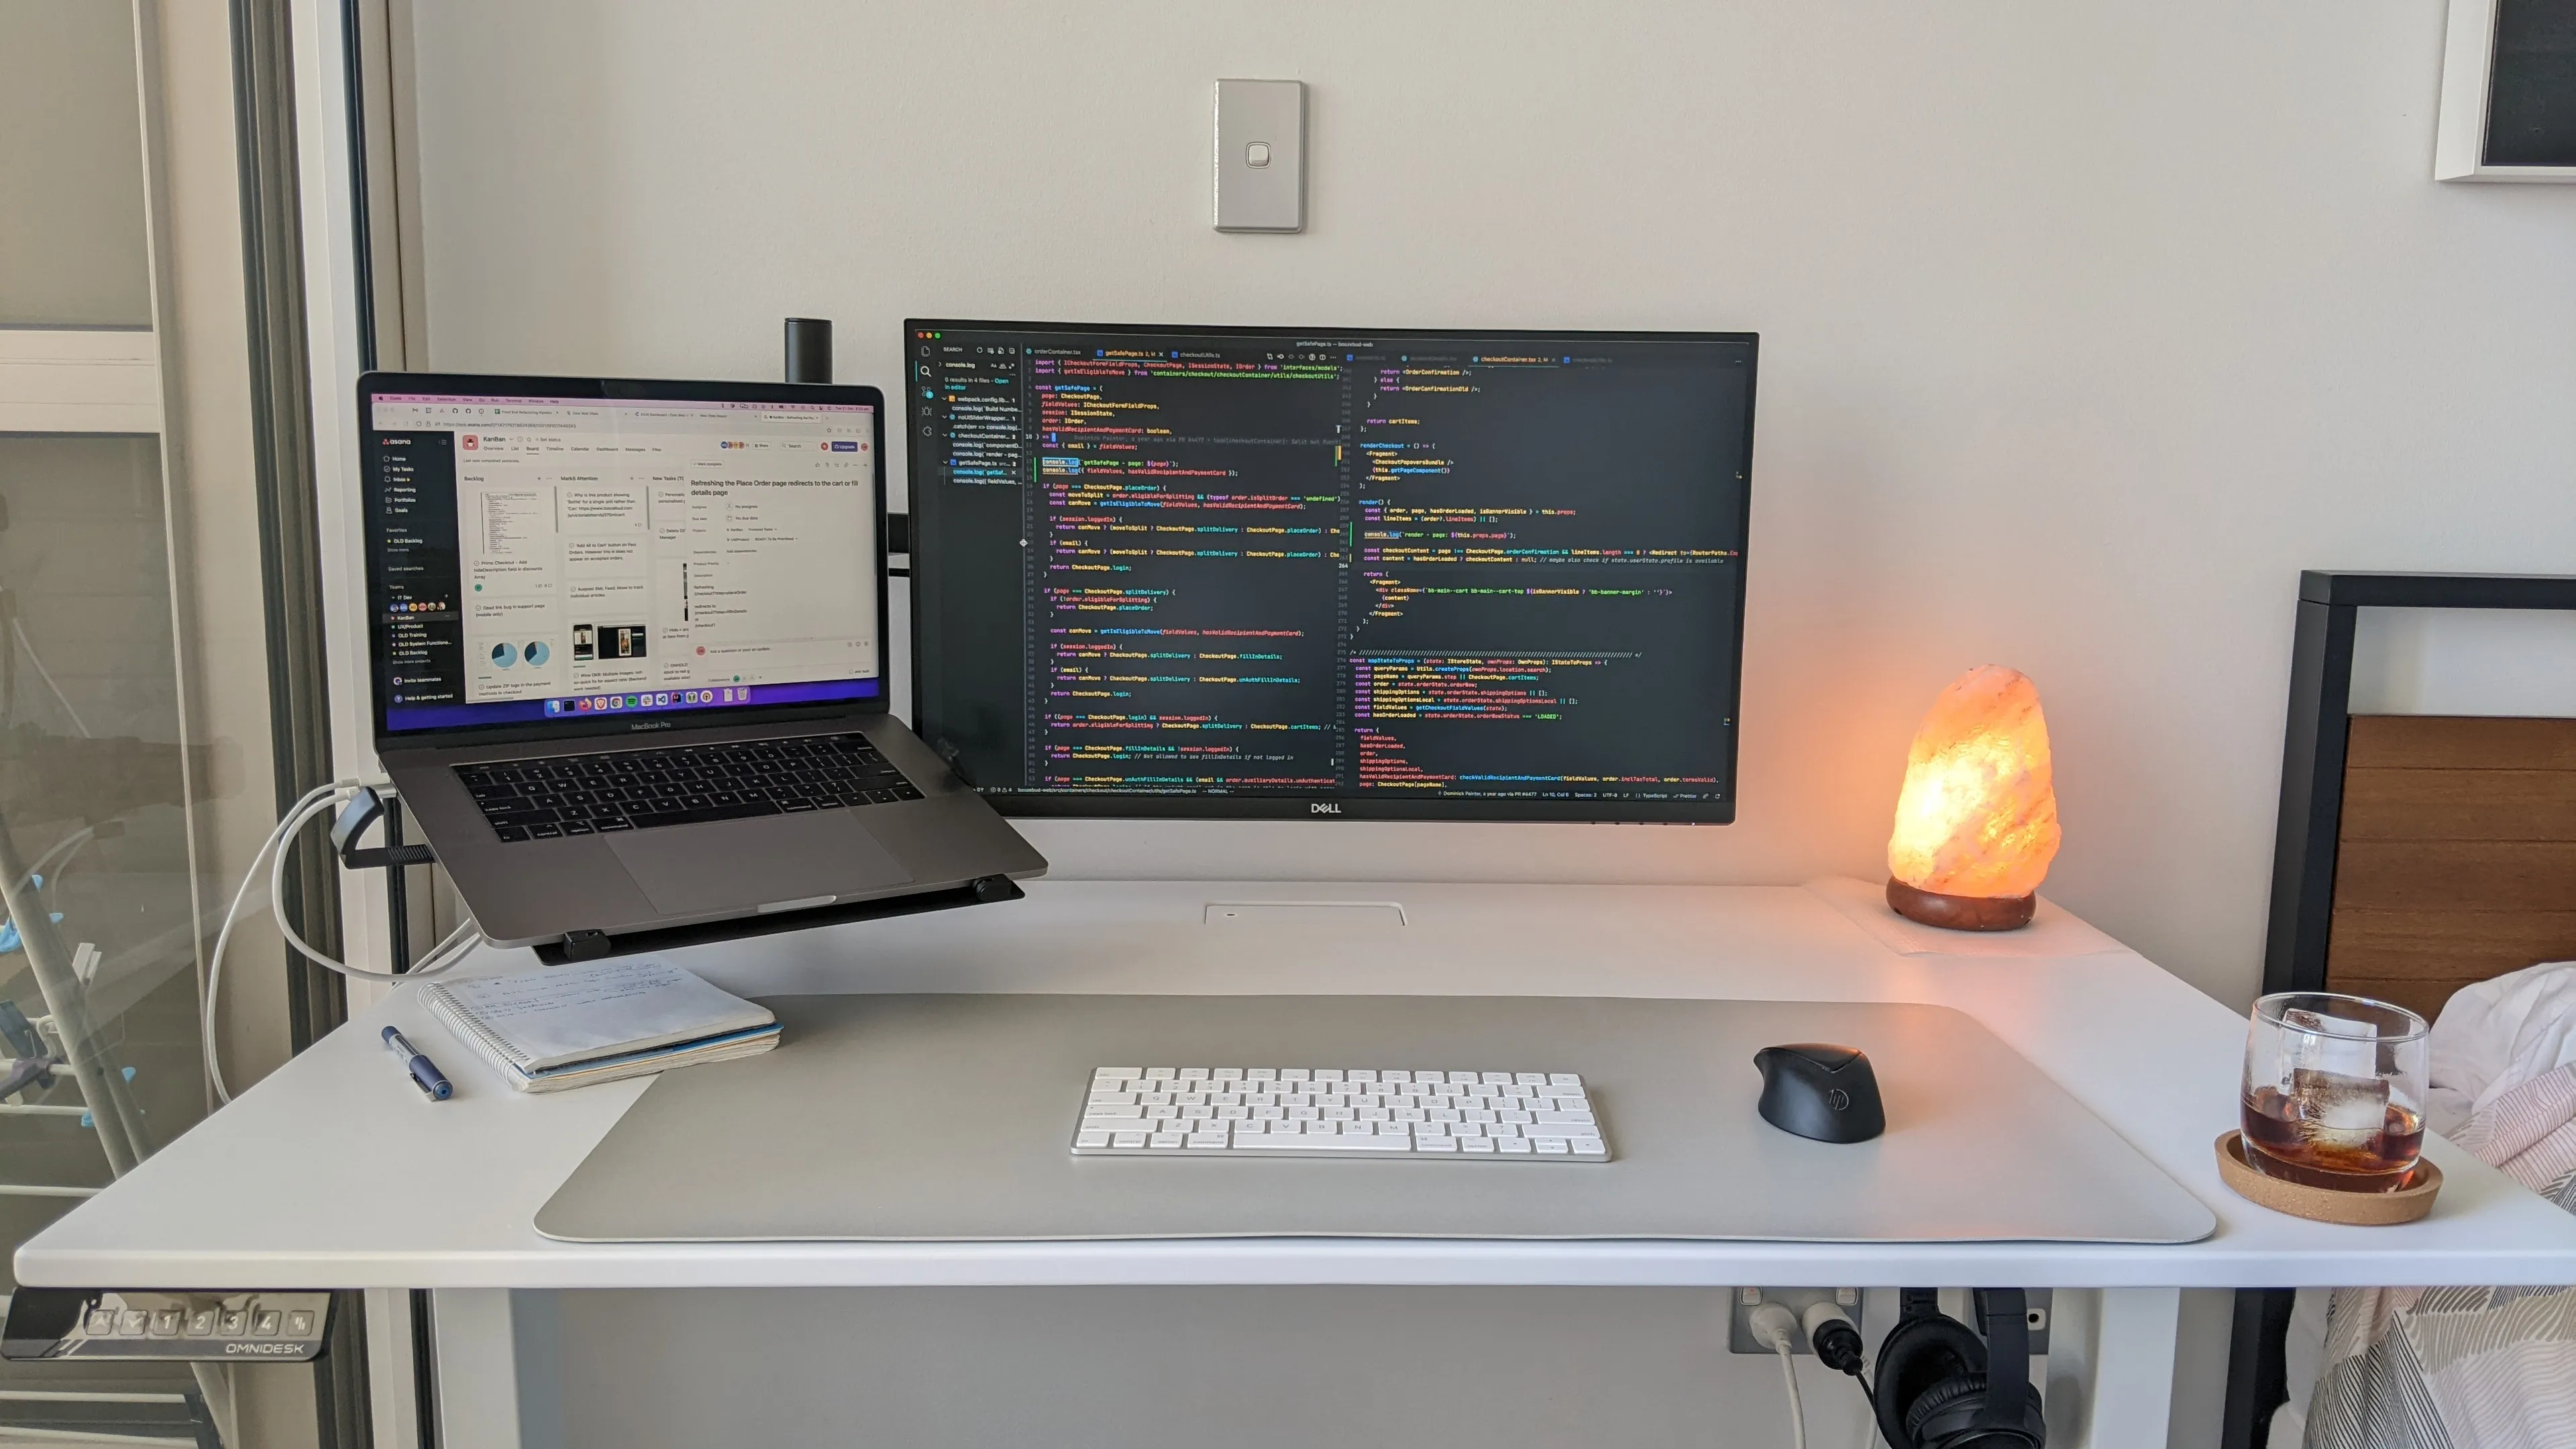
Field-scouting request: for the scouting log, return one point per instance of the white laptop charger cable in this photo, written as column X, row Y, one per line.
column 275, row 851
column 1775, row 1328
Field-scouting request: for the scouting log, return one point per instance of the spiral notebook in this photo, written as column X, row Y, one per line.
column 571, row 1026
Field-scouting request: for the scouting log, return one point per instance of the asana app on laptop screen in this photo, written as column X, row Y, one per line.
column 543, row 559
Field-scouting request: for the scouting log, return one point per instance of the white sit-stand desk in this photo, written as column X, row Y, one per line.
column 334, row 1173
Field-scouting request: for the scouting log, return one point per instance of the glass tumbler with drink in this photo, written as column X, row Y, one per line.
column 2334, row 1090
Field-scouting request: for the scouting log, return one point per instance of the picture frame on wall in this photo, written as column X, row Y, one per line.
column 2508, row 109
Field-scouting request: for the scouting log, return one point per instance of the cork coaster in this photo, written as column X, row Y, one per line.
column 2326, row 1205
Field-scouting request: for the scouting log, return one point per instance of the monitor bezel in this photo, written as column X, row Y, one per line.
column 925, row 565
column 610, row 389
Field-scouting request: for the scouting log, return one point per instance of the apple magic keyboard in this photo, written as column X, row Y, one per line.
column 1338, row 1112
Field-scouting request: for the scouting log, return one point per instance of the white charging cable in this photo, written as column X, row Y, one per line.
column 1776, row 1328
column 275, row 851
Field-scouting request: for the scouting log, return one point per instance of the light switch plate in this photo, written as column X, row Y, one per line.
column 1260, row 155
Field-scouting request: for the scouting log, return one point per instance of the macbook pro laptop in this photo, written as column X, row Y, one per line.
column 629, row 651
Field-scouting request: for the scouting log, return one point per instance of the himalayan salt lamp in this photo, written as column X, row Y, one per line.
column 1976, row 824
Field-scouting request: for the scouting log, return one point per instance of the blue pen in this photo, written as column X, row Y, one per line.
column 433, row 1083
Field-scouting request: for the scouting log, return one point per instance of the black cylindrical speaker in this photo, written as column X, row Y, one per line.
column 809, row 349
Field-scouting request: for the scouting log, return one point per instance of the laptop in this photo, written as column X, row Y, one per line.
column 629, row 654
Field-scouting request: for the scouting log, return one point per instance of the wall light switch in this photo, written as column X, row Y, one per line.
column 1260, row 155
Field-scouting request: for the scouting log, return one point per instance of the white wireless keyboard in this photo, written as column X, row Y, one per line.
column 1338, row 1112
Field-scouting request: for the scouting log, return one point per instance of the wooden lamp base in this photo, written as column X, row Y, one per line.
column 1961, row 913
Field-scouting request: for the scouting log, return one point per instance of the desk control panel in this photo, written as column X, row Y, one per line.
column 1339, row 1112
column 127, row 1323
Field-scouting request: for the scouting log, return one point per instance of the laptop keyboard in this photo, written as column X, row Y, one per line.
column 560, row 795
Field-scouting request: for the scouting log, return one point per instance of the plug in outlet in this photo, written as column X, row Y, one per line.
column 1739, row 1329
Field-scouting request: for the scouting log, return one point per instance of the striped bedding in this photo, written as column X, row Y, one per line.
column 2464, row 1368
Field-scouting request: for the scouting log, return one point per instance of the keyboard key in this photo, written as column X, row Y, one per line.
column 699, row 815
column 1311, row 1143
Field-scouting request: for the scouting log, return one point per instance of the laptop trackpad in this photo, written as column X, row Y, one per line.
column 735, row 865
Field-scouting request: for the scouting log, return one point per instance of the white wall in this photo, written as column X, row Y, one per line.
column 2085, row 327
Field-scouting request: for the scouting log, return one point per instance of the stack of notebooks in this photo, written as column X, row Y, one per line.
column 571, row 1026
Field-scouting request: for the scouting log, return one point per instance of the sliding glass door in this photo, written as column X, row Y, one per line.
column 135, row 759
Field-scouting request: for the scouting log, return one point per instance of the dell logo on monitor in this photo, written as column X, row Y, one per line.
column 1324, row 807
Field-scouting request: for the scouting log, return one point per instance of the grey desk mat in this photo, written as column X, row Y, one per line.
column 949, row 1118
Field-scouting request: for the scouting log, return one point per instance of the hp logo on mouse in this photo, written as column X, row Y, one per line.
column 1838, row 1099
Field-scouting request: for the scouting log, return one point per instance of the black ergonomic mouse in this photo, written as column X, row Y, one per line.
column 1820, row 1090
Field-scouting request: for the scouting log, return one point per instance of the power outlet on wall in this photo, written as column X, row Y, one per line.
column 1739, row 1327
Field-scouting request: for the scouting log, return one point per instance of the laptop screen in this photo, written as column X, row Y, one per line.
column 587, row 555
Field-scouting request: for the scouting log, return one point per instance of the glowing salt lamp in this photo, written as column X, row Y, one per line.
column 1976, row 824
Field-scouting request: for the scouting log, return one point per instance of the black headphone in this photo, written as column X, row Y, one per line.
column 1935, row 1390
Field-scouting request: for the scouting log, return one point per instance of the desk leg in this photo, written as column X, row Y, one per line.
column 2119, row 1345
column 391, row 1376
column 496, row 1369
